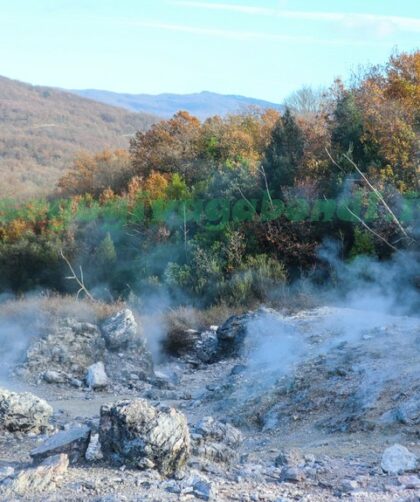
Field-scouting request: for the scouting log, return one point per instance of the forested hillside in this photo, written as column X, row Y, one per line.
column 42, row 128
column 228, row 209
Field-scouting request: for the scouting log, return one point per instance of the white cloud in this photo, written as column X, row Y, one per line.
column 382, row 25
column 224, row 6
column 244, row 35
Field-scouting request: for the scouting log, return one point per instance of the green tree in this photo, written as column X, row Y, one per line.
column 284, row 153
column 106, row 253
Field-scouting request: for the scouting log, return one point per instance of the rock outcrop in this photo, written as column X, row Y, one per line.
column 72, row 352
column 127, row 353
column 65, row 351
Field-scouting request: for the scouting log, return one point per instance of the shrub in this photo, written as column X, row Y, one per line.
column 363, row 243
column 261, row 278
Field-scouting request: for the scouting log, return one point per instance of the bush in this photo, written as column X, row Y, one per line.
column 363, row 243
column 31, row 262
column 261, row 278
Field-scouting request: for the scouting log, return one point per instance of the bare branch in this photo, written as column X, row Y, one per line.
column 185, row 230
column 371, row 230
column 333, row 161
column 79, row 280
column 245, row 199
column 378, row 194
column 262, row 171
column 375, row 191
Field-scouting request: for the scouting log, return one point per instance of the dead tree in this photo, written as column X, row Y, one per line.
column 78, row 279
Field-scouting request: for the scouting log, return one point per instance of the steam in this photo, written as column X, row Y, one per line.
column 19, row 323
column 369, row 326
column 373, row 286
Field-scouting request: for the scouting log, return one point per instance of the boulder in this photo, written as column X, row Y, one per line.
column 72, row 442
column 290, row 458
column 216, row 440
column 37, row 479
column 56, row 377
column 127, row 352
column 206, row 346
column 23, row 412
column 231, row 336
column 96, row 377
column 203, row 490
column 398, row 459
column 140, row 435
column 292, row 475
column 120, row 329
column 213, row 430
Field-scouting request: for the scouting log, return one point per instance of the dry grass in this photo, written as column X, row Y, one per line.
column 56, row 306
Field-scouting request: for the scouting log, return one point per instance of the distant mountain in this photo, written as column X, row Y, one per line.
column 42, row 128
column 202, row 105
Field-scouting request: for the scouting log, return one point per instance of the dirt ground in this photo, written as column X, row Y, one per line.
column 343, row 455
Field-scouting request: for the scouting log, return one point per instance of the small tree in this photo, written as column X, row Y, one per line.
column 106, row 253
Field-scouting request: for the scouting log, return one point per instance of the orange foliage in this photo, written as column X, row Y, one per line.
column 167, row 146
column 16, row 228
column 95, row 173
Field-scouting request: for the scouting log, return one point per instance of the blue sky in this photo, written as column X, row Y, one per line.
column 264, row 49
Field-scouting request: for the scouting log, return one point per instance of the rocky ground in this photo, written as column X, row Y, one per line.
column 321, row 405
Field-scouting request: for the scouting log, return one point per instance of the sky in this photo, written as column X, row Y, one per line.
column 263, row 49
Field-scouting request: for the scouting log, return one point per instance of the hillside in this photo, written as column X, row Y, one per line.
column 41, row 129
column 202, row 105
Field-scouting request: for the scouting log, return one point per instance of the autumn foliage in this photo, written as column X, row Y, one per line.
column 260, row 159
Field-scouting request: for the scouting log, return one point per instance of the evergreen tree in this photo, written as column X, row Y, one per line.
column 106, row 253
column 284, row 153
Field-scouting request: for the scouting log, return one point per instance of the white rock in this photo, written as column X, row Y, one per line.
column 96, row 377
column 94, row 451
column 397, row 459
column 120, row 329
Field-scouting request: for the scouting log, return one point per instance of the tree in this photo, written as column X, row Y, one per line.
column 169, row 146
column 389, row 98
column 106, row 253
column 305, row 102
column 95, row 173
column 347, row 129
column 238, row 139
column 284, row 154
